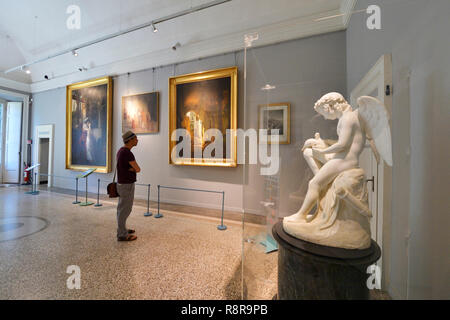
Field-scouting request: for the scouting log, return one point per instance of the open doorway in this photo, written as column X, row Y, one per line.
column 11, row 133
column 2, row 108
column 14, row 116
column 44, row 144
column 44, row 154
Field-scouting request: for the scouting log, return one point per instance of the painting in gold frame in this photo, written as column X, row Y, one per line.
column 140, row 113
column 202, row 101
column 89, row 125
column 276, row 116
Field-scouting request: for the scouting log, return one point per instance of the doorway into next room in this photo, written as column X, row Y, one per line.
column 44, row 144
column 10, row 139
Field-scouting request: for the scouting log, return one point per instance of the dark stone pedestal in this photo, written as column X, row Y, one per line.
column 311, row 271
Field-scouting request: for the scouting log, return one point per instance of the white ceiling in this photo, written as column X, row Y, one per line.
column 31, row 30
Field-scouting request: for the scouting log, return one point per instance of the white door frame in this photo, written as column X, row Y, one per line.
column 44, row 131
column 378, row 78
column 25, row 112
column 12, row 141
column 2, row 138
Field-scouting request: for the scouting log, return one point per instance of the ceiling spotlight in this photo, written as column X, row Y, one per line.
column 268, row 87
column 75, row 53
column 25, row 69
column 175, row 46
column 154, row 28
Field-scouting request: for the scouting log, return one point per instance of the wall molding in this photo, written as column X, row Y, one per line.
column 15, row 85
column 347, row 8
column 268, row 35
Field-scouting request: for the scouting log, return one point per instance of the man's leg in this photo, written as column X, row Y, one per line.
column 124, row 207
column 130, row 204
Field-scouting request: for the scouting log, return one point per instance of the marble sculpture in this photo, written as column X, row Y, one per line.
column 338, row 190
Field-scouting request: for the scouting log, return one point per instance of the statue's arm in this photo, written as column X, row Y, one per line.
column 345, row 137
column 330, row 142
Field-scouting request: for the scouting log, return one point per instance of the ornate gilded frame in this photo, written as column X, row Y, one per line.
column 80, row 85
column 231, row 72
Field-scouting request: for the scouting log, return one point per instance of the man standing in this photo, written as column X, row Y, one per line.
column 126, row 177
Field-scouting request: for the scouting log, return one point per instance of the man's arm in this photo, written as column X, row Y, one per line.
column 134, row 166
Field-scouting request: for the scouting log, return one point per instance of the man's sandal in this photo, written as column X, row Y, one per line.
column 129, row 237
column 131, row 231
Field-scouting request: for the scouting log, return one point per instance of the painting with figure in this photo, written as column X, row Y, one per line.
column 140, row 113
column 200, row 102
column 88, row 132
column 275, row 116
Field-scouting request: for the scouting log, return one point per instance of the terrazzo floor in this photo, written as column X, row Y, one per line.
column 179, row 256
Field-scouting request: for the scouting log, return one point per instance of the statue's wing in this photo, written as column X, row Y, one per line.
column 376, row 122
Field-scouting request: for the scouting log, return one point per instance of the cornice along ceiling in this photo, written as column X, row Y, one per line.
column 112, row 57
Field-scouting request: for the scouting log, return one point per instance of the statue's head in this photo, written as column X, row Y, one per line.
column 331, row 105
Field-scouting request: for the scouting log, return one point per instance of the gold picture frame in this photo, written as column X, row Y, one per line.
column 206, row 100
column 276, row 115
column 89, row 125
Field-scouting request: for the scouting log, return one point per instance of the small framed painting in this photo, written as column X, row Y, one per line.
column 276, row 116
column 140, row 113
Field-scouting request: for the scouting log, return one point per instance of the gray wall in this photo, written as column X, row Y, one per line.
column 317, row 62
column 416, row 32
column 49, row 107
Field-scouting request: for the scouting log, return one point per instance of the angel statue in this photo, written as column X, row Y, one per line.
column 338, row 189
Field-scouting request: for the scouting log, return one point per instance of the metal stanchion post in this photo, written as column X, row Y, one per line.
column 98, row 204
column 35, row 192
column 86, row 203
column 159, row 215
column 222, row 226
column 148, row 213
column 76, row 192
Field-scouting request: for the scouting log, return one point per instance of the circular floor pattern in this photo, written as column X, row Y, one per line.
column 20, row 227
column 10, row 226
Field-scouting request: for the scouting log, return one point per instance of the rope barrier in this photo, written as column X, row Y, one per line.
column 221, row 226
column 148, row 213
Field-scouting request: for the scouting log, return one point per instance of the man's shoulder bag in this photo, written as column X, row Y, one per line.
column 112, row 187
